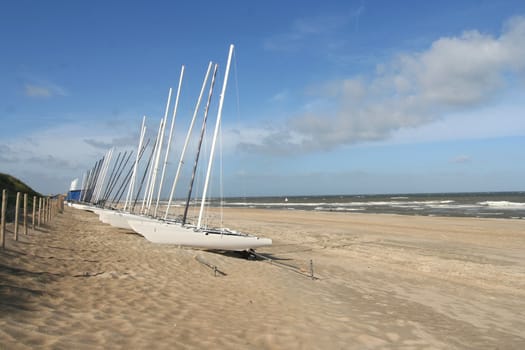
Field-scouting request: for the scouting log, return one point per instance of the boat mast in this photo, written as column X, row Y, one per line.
column 216, row 131
column 134, row 175
column 93, row 180
column 106, row 170
column 159, row 152
column 92, row 175
column 105, row 167
column 85, row 189
column 84, row 177
column 143, row 178
column 181, row 161
column 203, row 129
column 169, row 141
column 127, row 178
column 149, row 170
column 96, row 179
column 116, row 168
column 117, row 177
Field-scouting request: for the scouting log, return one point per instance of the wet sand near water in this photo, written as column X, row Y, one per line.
column 381, row 282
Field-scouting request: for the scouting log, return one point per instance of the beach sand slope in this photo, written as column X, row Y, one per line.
column 381, row 282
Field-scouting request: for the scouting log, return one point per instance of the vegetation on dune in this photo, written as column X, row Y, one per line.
column 14, row 185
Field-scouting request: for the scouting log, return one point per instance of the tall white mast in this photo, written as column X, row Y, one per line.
column 150, row 169
column 131, row 189
column 159, row 152
column 83, row 186
column 215, row 133
column 100, row 181
column 169, row 141
column 181, row 161
column 87, row 186
column 100, row 176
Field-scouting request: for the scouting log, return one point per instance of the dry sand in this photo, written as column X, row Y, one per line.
column 384, row 282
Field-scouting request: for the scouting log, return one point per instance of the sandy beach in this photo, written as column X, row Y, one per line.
column 381, row 282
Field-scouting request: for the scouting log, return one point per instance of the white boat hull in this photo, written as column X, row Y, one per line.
column 116, row 219
column 103, row 215
column 81, row 206
column 173, row 233
column 121, row 220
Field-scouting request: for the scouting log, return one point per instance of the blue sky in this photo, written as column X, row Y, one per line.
column 329, row 97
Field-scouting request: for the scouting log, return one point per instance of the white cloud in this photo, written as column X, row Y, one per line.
column 7, row 154
column 319, row 29
column 280, row 96
column 464, row 70
column 61, row 152
column 461, row 159
column 455, row 74
column 500, row 120
column 37, row 91
column 44, row 90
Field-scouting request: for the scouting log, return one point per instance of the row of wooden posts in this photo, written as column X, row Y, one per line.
column 43, row 210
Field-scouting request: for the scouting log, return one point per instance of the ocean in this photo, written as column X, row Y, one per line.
column 481, row 205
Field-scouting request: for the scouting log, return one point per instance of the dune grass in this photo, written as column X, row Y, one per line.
column 14, row 185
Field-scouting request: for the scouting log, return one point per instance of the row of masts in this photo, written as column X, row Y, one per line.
column 99, row 184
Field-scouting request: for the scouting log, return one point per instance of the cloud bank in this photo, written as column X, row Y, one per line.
column 51, row 158
column 413, row 89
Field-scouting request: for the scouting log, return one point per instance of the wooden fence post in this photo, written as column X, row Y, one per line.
column 39, row 210
column 60, row 204
column 34, row 212
column 2, row 224
column 17, row 209
column 44, row 210
column 25, row 213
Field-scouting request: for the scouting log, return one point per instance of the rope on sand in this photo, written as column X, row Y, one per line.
column 89, row 274
column 215, row 269
column 298, row 270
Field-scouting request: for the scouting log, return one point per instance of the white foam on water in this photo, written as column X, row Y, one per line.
column 503, row 205
column 454, row 206
column 395, row 203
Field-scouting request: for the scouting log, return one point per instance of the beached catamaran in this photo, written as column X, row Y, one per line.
column 179, row 232
column 183, row 234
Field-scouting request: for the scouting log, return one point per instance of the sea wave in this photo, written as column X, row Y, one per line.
column 503, row 205
column 342, row 204
column 338, row 209
column 495, row 205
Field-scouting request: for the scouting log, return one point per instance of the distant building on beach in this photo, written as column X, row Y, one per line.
column 74, row 191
